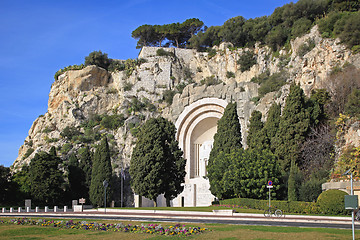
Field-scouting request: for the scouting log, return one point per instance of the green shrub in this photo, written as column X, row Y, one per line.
column 28, row 153
column 270, row 83
column 65, row 69
column 300, row 27
column 230, row 74
column 128, row 86
column 306, row 47
column 332, row 202
column 168, row 96
column 162, row 52
column 66, row 148
column 116, row 66
column 69, row 132
column 212, row 52
column 112, row 121
column 98, row 58
column 246, row 61
column 286, row 206
column 208, row 81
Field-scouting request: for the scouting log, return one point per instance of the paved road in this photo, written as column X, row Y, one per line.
column 290, row 221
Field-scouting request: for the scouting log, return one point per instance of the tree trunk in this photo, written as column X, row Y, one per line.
column 155, row 204
column 168, row 202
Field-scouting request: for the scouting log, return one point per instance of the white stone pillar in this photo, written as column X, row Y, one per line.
column 27, row 209
column 36, row 209
column 56, row 209
column 19, row 209
column 46, row 208
column 3, row 210
column 11, row 209
column 65, row 208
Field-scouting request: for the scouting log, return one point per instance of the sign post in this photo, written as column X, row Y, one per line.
column 270, row 186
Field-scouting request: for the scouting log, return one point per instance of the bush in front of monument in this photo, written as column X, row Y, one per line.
column 332, row 202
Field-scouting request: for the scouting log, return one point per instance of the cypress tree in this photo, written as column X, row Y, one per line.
column 255, row 136
column 294, row 182
column 293, row 127
column 271, row 126
column 101, row 171
column 157, row 166
column 77, row 179
column 227, row 138
column 85, row 164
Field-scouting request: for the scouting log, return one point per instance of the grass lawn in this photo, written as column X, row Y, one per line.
column 216, row 231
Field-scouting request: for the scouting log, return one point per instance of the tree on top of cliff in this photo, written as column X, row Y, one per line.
column 157, row 166
column 176, row 34
column 98, row 58
column 227, row 138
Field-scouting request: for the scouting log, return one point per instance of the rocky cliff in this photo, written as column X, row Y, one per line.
column 78, row 97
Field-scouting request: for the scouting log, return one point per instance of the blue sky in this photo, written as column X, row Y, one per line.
column 37, row 38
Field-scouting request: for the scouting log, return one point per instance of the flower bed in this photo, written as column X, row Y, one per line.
column 178, row 230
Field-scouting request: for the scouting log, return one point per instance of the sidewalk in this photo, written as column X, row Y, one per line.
column 219, row 215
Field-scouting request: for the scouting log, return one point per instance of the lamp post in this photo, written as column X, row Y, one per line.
column 105, row 184
column 348, row 172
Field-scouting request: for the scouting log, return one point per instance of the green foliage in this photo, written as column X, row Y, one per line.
column 101, row 171
column 310, row 190
column 212, row 52
column 46, row 178
column 212, row 80
column 157, row 166
column 22, row 181
column 230, row 74
column 85, row 157
column 246, row 61
column 69, row 132
column 112, row 122
column 175, row 34
column 76, row 177
column 293, row 182
column 128, row 86
column 255, row 133
column 293, row 127
column 168, row 96
column 271, row 126
column 286, row 206
column 28, row 153
column 270, row 83
column 98, row 58
column 246, row 174
column 227, row 137
column 300, row 27
column 353, row 102
column 66, row 148
column 65, row 69
column 4, row 184
column 116, row 65
column 162, row 52
column 332, row 202
column 306, row 47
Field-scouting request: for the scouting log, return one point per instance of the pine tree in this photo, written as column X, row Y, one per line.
column 101, row 171
column 294, row 182
column 157, row 166
column 227, row 138
column 255, row 136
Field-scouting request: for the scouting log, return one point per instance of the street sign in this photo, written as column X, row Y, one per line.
column 270, row 183
column 82, row 200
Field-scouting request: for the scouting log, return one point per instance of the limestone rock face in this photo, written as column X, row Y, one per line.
column 78, row 96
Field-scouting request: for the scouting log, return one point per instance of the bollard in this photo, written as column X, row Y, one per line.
column 3, row 210
column 27, row 209
column 56, row 208
column 46, row 208
column 65, row 209
column 19, row 209
column 36, row 209
column 11, row 209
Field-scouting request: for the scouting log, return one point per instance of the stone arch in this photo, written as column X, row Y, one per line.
column 196, row 125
